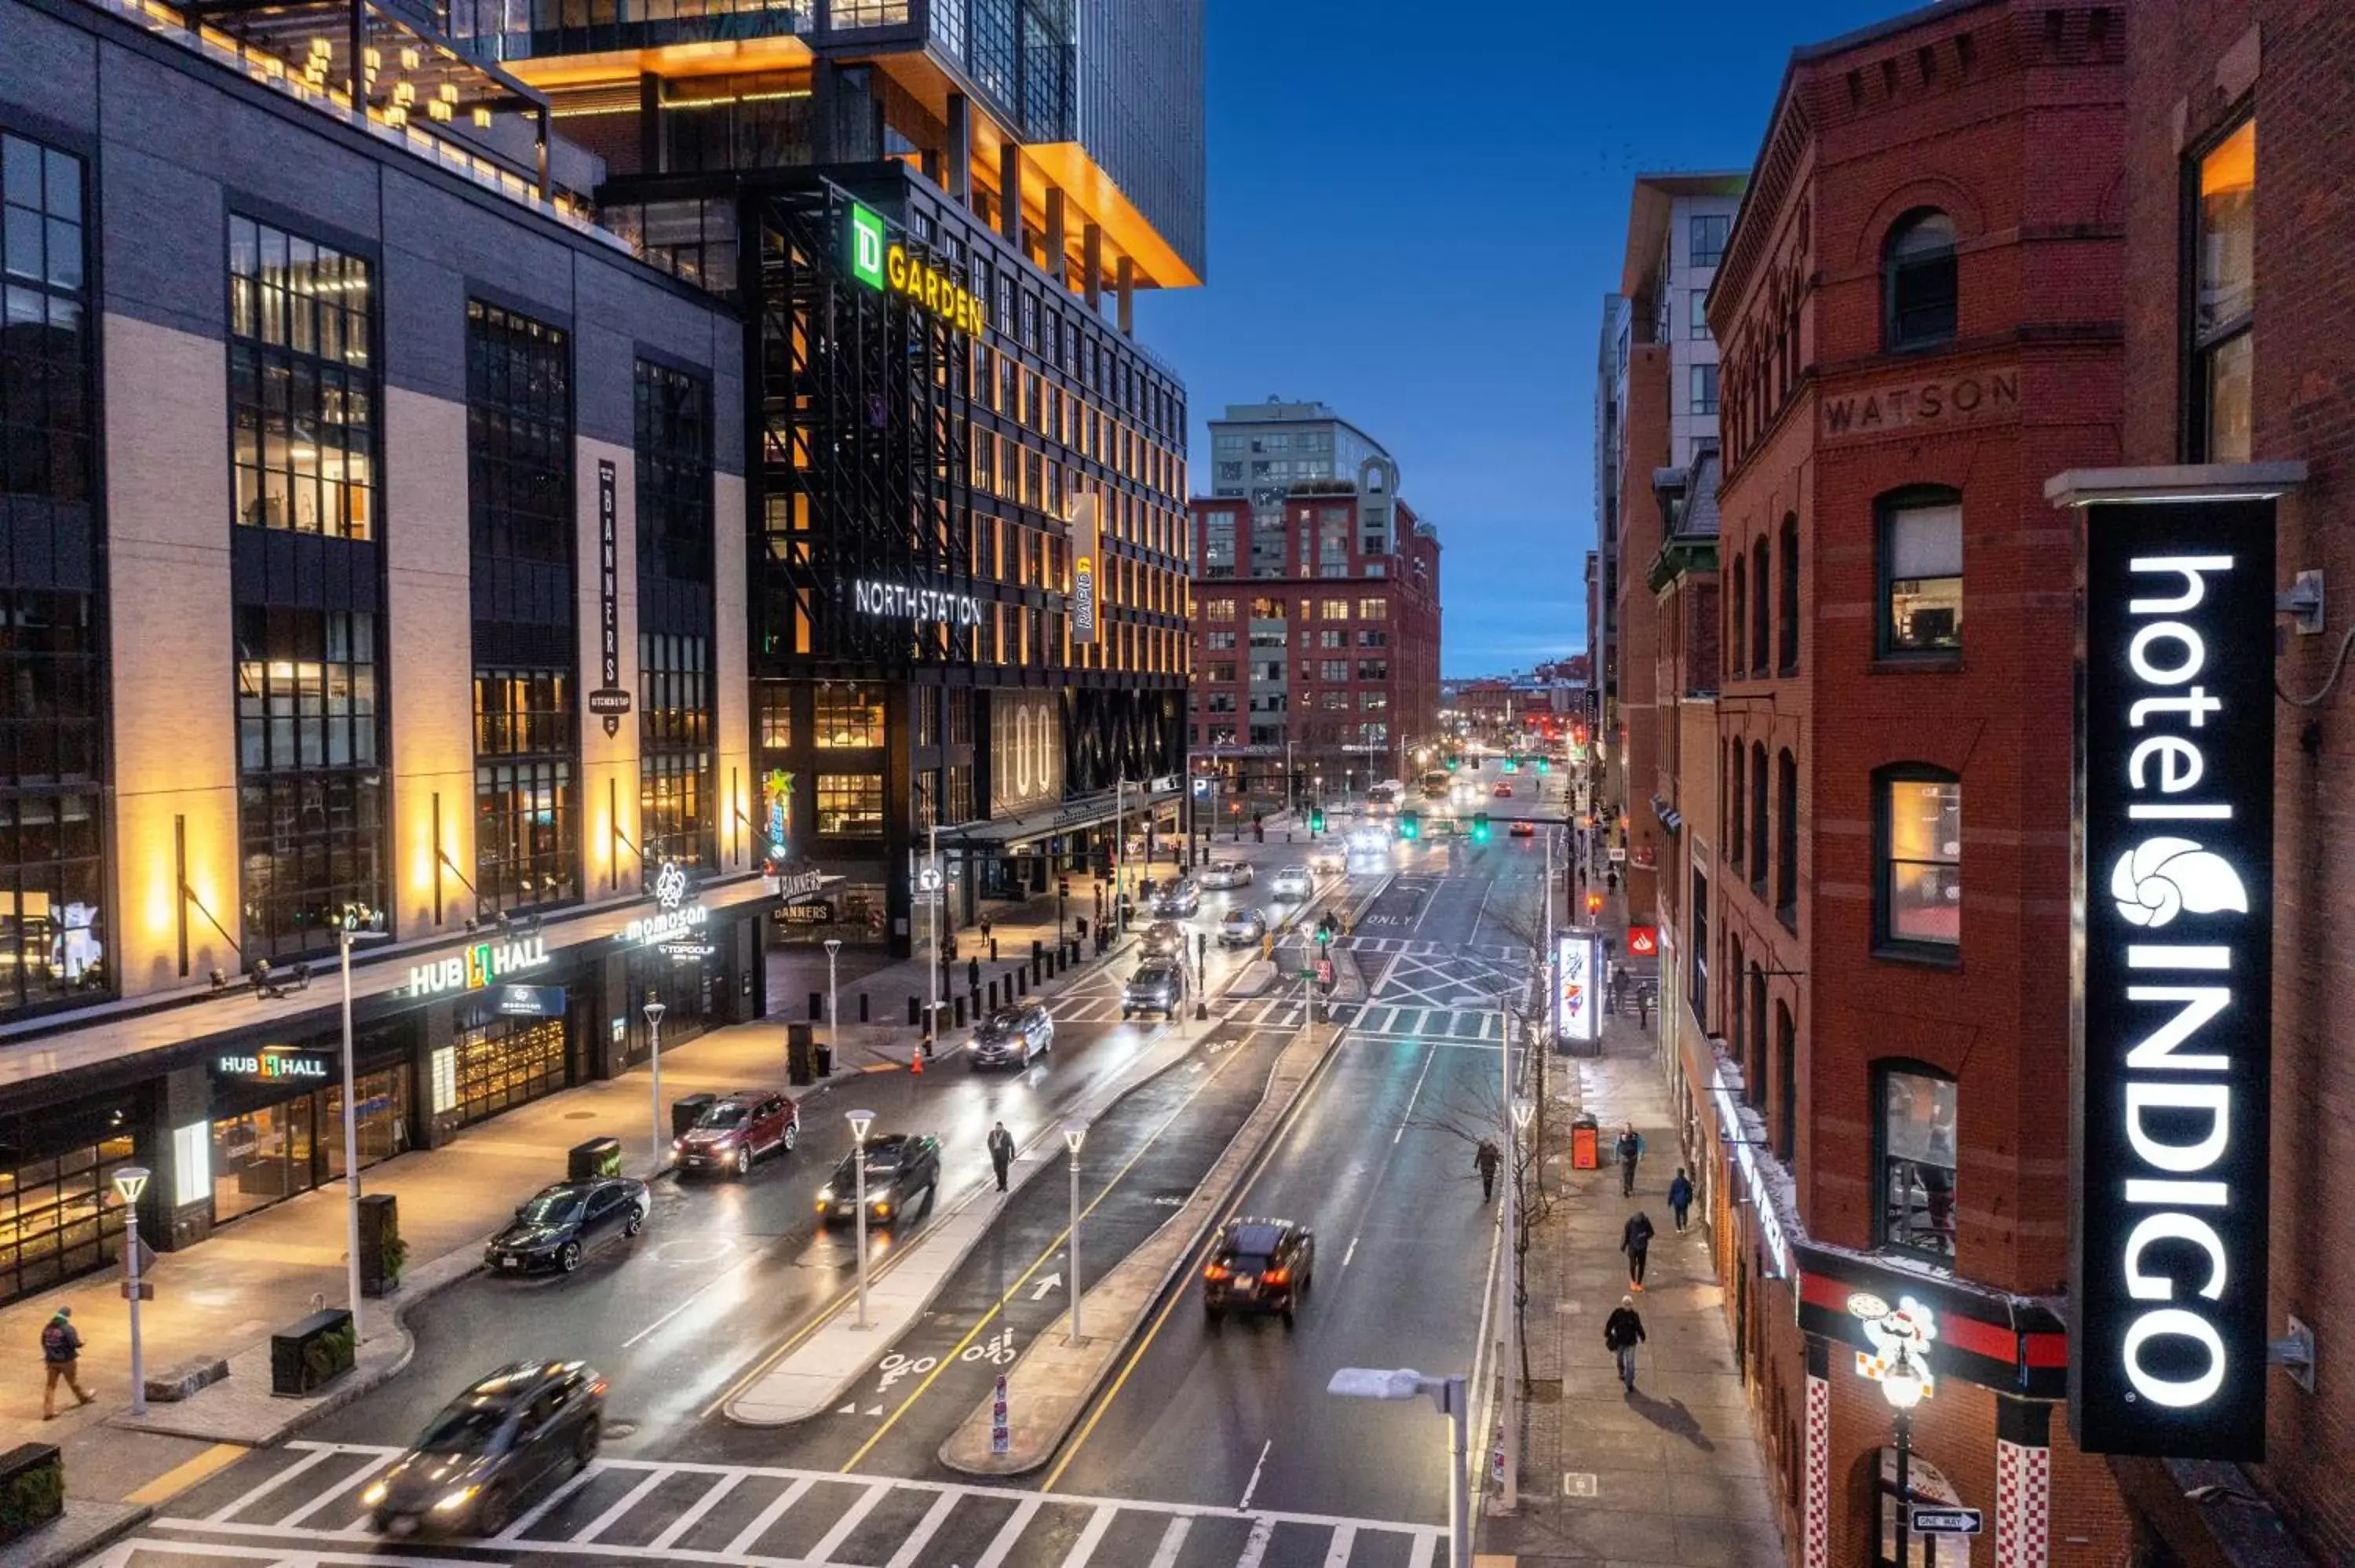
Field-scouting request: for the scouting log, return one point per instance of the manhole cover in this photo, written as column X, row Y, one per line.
column 1578, row 1483
column 581, row 1116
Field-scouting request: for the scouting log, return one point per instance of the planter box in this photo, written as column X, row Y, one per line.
column 32, row 1489
column 311, row 1354
column 598, row 1157
column 380, row 1224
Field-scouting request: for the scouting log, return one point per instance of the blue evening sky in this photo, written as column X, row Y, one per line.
column 1416, row 211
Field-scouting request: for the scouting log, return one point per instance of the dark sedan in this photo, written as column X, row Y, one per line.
column 902, row 1167
column 493, row 1444
column 1259, row 1265
column 566, row 1223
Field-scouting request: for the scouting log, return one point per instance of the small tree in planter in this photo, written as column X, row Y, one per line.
column 32, row 1489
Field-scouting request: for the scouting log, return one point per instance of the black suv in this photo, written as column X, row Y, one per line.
column 567, row 1222
column 1179, row 901
column 1258, row 1266
column 1158, row 986
column 900, row 1166
column 504, row 1436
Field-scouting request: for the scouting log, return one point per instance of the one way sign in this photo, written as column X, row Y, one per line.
column 1945, row 1520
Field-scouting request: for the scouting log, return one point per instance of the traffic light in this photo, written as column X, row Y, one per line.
column 1594, row 905
column 1453, row 762
column 1578, row 733
column 1545, row 764
column 1316, row 818
column 1480, row 829
column 1512, row 765
column 1410, row 824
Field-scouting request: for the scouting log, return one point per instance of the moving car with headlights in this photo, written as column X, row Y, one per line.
column 1158, row 986
column 737, row 1130
column 902, row 1167
column 1328, row 861
column 1225, row 875
column 1503, row 792
column 1179, row 901
column 566, row 1223
column 1242, row 928
column 1258, row 1266
column 1011, row 1036
column 1163, row 939
column 490, row 1446
column 1523, row 830
column 1293, row 884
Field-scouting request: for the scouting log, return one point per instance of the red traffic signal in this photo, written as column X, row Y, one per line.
column 1594, row 903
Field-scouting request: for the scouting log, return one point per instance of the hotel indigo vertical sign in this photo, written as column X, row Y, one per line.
column 611, row 699
column 2174, row 888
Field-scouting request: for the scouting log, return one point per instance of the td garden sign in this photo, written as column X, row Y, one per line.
column 2173, row 973
column 882, row 262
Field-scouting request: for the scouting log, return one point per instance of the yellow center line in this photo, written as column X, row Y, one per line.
column 1052, row 1247
column 180, row 1477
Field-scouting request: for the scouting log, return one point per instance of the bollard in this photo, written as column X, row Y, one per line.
column 1072, row 950
column 862, row 1007
column 1034, row 962
column 1037, row 947
column 956, row 1013
column 993, row 950
column 915, row 1010
column 1022, row 986
column 817, row 1006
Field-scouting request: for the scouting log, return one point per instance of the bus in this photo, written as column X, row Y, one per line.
column 1435, row 782
column 1383, row 798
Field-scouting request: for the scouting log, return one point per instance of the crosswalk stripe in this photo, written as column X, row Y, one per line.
column 1173, row 1541
column 1007, row 1533
column 769, row 1516
column 230, row 1511
column 852, row 1518
column 587, row 1473
column 1090, row 1535
column 1426, row 1548
column 1344, row 1540
column 695, row 1512
column 613, row 1516
column 356, row 1480
column 926, row 1528
column 1255, row 1546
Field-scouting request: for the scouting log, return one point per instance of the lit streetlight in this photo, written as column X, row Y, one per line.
column 654, row 1011
column 1074, row 1134
column 352, row 929
column 861, row 1123
column 129, row 1183
column 1452, row 1396
column 1901, row 1385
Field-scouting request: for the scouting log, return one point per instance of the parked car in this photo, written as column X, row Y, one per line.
column 1163, row 939
column 1226, row 874
column 1259, row 1265
column 567, row 1222
column 490, row 1446
column 1158, row 986
column 1293, row 885
column 901, row 1168
column 1011, row 1036
column 1242, row 928
column 737, row 1130
column 1179, row 901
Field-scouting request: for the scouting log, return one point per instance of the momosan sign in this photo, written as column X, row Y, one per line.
column 2174, row 889
column 882, row 262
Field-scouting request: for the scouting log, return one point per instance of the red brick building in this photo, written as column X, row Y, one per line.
column 1330, row 667
column 1919, row 312
column 2240, row 318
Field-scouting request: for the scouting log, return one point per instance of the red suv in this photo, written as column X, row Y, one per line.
column 738, row 1129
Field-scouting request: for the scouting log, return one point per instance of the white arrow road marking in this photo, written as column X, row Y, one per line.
column 1051, row 1282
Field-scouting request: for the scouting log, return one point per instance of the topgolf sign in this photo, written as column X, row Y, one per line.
column 2174, row 896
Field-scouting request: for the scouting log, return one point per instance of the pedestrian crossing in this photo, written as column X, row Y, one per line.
column 307, row 1509
column 1414, row 947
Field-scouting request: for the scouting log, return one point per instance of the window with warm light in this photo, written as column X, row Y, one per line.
column 1919, row 828
column 1921, row 555
column 2225, row 295
column 302, row 384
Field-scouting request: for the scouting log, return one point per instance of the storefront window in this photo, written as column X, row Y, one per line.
column 849, row 717
column 267, row 1152
column 850, row 804
column 1925, row 1485
column 504, row 1062
column 59, row 1214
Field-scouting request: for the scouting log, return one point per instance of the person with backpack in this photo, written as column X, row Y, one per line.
column 1630, row 1149
column 62, row 1360
column 1622, row 1332
column 1680, row 1197
column 1636, row 1240
column 1485, row 1158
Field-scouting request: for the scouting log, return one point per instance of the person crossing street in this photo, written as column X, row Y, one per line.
column 1001, row 1152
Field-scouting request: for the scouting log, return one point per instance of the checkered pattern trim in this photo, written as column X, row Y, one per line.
column 2023, row 1505
column 1819, row 1474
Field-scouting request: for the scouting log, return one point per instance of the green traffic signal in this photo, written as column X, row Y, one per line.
column 1480, row 829
column 1316, row 818
column 1512, row 765
column 1545, row 764
column 1410, row 824
column 1453, row 762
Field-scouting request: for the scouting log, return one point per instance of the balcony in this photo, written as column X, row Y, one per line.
column 514, row 30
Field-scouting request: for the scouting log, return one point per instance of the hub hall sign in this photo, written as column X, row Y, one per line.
column 2174, row 889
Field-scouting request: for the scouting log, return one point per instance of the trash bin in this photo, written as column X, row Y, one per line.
column 598, row 1157
column 686, row 1111
column 825, row 1061
column 1585, row 1145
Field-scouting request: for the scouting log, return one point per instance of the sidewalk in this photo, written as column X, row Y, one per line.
column 1673, row 1474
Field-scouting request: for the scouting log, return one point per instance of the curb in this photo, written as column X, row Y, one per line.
column 56, row 1552
column 1215, row 1208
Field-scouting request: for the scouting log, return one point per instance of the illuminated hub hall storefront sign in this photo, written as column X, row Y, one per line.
column 2174, row 982
column 484, row 963
column 902, row 603
column 882, row 262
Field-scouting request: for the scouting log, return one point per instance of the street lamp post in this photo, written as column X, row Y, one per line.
column 1901, row 1386
column 654, row 1011
column 129, row 1183
column 1074, row 1134
column 346, row 935
column 860, row 1122
column 833, row 1018
column 1452, row 1396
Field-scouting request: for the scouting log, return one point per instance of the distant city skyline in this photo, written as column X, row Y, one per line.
column 1347, row 262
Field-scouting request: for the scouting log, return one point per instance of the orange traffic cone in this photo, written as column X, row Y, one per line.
column 916, row 1062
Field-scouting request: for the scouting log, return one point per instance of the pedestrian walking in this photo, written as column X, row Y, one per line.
column 1644, row 1008
column 62, row 1360
column 1680, row 1197
column 1001, row 1152
column 1630, row 1149
column 1622, row 1332
column 985, row 927
column 1636, row 1240
column 1484, row 1159
column 972, row 974
column 1618, row 987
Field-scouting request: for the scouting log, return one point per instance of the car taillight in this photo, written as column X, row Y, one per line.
column 1216, row 1271
column 599, row 1387
column 1277, row 1277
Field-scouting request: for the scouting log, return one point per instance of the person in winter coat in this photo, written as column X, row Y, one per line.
column 1622, row 1332
column 1630, row 1149
column 972, row 974
column 1636, row 1240
column 1484, row 1159
column 62, row 1360
column 1001, row 1152
column 1680, row 1197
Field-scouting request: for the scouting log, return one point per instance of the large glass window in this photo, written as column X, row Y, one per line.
column 1919, row 824
column 59, row 1214
column 1790, row 618
column 1787, row 840
column 44, row 385
column 673, row 468
column 306, row 689
column 1759, row 855
column 521, row 713
column 849, row 715
column 526, row 830
column 53, row 935
column 518, row 436
column 498, row 1063
column 1917, row 1160
column 1921, row 574
column 2225, row 255
column 850, row 804
column 1704, row 389
column 303, row 394
column 1710, row 231
column 1921, row 286
column 675, row 805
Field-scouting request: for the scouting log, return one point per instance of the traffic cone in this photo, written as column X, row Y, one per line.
column 916, row 1063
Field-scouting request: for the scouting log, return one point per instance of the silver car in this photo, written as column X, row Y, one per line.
column 1225, row 875
column 1293, row 885
column 1011, row 1036
column 1242, row 928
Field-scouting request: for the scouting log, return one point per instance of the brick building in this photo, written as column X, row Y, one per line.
column 2240, row 140
column 1919, row 310
column 1323, row 660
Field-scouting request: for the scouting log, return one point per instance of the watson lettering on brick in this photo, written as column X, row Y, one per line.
column 2174, row 881
column 1942, row 402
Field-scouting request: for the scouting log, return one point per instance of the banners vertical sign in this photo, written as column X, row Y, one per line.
column 1577, row 1004
column 1087, row 567
column 2173, row 983
column 611, row 699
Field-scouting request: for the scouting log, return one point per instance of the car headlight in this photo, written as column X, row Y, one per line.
column 826, row 1195
column 452, row 1502
column 376, row 1494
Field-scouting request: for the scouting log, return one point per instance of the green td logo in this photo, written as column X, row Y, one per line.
column 866, row 245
